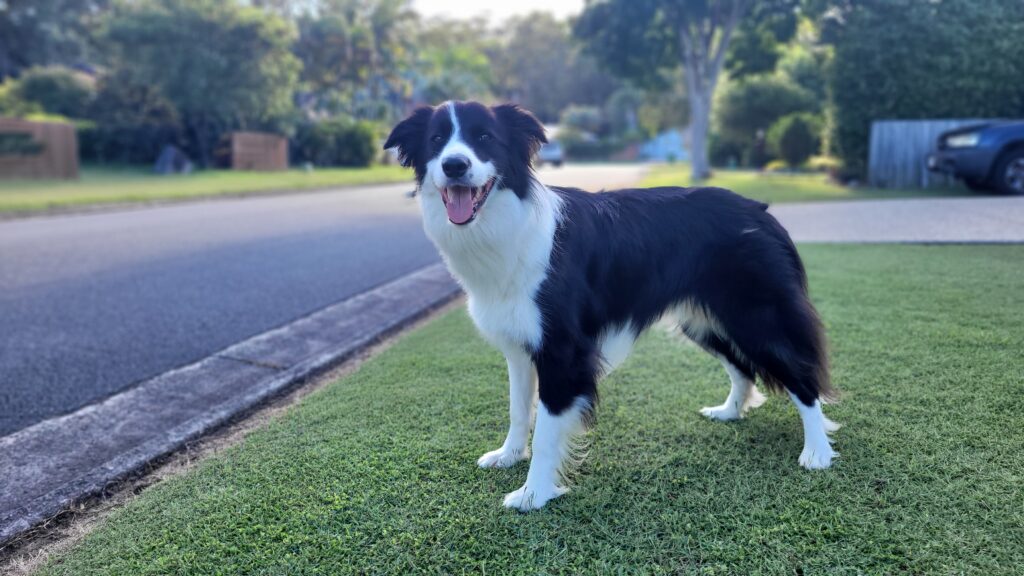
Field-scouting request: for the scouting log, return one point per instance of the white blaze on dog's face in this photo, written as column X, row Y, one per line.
column 464, row 153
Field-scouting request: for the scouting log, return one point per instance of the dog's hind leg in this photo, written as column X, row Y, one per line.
column 817, row 452
column 522, row 392
column 743, row 395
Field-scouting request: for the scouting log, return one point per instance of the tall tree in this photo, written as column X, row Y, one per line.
column 354, row 53
column 221, row 65
column 539, row 66
column 643, row 40
column 44, row 32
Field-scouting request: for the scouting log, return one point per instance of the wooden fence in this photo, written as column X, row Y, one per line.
column 258, row 151
column 899, row 152
column 56, row 154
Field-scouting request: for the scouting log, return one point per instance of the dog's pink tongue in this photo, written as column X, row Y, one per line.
column 460, row 204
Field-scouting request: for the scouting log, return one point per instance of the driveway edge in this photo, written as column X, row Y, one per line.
column 50, row 466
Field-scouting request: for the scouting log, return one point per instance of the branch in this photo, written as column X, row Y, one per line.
column 738, row 8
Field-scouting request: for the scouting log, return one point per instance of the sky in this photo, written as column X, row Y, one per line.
column 497, row 11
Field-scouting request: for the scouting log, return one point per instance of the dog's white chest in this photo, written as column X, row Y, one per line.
column 507, row 323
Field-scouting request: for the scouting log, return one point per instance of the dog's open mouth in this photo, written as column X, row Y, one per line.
column 462, row 202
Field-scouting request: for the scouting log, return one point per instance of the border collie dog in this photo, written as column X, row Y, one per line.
column 563, row 281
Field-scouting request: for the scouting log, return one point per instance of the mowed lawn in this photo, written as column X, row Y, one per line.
column 375, row 474
column 104, row 186
column 782, row 187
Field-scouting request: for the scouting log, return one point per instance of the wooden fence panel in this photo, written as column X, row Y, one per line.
column 58, row 157
column 258, row 151
column 899, row 152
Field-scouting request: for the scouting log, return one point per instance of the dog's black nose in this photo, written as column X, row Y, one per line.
column 455, row 166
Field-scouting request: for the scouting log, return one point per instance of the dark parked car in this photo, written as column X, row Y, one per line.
column 985, row 156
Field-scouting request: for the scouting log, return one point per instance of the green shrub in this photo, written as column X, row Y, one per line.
column 585, row 146
column 795, row 138
column 57, row 91
column 337, row 142
column 748, row 108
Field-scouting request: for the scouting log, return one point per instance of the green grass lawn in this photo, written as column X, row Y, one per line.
column 778, row 187
column 376, row 473
column 99, row 186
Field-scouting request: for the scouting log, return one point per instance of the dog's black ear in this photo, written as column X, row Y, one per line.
column 409, row 136
column 526, row 133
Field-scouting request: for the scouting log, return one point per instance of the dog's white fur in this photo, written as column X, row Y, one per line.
column 500, row 259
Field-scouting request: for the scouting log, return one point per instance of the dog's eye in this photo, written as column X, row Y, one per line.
column 436, row 138
column 485, row 137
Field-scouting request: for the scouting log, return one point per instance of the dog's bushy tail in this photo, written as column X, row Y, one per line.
column 797, row 361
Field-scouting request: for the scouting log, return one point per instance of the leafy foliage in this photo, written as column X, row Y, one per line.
column 222, row 66
column 748, row 108
column 131, row 123
column 337, row 142
column 540, row 65
column 795, row 138
column 45, row 32
column 56, row 90
column 914, row 60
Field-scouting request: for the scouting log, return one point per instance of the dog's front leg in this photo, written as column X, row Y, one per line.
column 555, row 450
column 522, row 392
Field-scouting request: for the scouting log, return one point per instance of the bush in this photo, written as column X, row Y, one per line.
column 583, row 119
column 795, row 138
column 748, row 108
column 585, row 146
column 57, row 91
column 337, row 142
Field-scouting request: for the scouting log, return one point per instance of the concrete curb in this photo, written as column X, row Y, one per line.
column 51, row 465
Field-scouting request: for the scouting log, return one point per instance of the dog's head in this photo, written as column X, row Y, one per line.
column 465, row 152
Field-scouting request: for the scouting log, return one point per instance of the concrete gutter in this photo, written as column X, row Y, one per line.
column 48, row 467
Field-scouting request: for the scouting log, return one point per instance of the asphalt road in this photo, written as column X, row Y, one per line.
column 92, row 304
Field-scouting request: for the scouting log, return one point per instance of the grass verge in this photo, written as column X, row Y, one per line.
column 771, row 187
column 376, row 474
column 105, row 186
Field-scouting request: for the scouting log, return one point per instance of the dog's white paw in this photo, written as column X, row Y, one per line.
column 528, row 498
column 502, row 458
column 817, row 457
column 725, row 412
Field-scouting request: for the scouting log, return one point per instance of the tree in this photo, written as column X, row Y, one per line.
column 45, row 32
column 643, row 40
column 454, row 61
column 539, row 66
column 910, row 59
column 221, row 65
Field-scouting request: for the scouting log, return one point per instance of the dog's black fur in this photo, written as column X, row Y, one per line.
column 628, row 255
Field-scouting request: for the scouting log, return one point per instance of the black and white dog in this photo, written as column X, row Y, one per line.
column 563, row 281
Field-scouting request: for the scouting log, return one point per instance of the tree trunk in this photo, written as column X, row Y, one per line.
column 703, row 48
column 700, row 123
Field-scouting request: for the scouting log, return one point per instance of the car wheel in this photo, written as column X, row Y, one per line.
column 977, row 185
column 558, row 164
column 1009, row 172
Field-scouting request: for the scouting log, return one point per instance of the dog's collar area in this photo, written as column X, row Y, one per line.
column 463, row 202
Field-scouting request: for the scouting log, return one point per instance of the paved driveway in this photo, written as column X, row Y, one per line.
column 970, row 219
